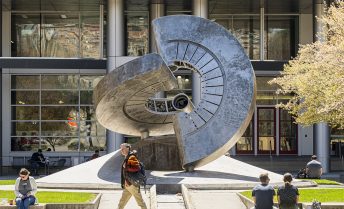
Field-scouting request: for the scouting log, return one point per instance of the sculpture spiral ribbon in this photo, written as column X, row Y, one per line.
column 124, row 102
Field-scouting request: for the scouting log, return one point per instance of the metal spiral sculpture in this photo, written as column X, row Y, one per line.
column 125, row 102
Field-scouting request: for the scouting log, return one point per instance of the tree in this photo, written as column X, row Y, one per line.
column 316, row 75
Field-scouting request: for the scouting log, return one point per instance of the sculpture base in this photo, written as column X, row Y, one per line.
column 159, row 153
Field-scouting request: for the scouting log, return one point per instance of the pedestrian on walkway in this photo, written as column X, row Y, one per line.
column 288, row 194
column 263, row 194
column 130, row 164
column 25, row 189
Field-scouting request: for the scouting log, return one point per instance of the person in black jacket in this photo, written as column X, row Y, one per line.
column 38, row 160
column 130, row 164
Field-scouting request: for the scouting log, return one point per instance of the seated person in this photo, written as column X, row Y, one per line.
column 37, row 160
column 95, row 155
column 313, row 168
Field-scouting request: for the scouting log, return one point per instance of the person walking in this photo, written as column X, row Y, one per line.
column 130, row 164
column 263, row 194
column 25, row 189
column 288, row 194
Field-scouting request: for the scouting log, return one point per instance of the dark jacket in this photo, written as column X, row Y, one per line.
column 130, row 164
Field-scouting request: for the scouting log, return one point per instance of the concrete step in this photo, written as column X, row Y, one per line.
column 207, row 199
column 170, row 201
column 111, row 200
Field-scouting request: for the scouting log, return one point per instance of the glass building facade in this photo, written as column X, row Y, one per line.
column 52, row 106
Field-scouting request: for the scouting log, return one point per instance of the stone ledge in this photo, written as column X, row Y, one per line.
column 325, row 205
column 40, row 206
column 92, row 205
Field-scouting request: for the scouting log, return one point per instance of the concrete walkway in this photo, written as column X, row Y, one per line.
column 110, row 200
column 224, row 199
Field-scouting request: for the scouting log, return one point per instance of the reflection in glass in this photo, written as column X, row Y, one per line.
column 92, row 143
column 25, row 113
column 89, row 81
column 24, row 143
column 266, row 144
column 266, row 129
column 60, row 81
column 281, row 37
column 288, row 133
column 29, row 128
column 60, row 113
column 25, row 82
column 86, row 97
column 245, row 29
column 58, row 129
column 26, row 35
column 25, row 97
column 60, row 144
column 60, row 36
column 56, row 119
column 60, row 97
column 90, row 35
column 137, row 33
column 245, row 143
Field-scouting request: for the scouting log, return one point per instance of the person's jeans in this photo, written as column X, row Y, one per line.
column 25, row 203
column 126, row 195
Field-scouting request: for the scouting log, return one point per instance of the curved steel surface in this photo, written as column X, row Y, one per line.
column 121, row 96
column 227, row 85
column 124, row 102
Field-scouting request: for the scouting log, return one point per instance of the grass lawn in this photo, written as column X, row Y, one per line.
column 56, row 197
column 7, row 182
column 324, row 181
column 308, row 195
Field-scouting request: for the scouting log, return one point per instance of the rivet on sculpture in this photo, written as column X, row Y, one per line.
column 125, row 101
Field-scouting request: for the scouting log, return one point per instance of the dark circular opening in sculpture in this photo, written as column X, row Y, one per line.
column 180, row 102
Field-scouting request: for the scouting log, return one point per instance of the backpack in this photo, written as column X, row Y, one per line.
column 138, row 178
column 316, row 204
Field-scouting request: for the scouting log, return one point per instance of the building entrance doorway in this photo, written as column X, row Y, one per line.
column 266, row 130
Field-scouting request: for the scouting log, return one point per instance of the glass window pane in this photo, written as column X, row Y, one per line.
column 60, row 113
column 60, row 81
column 24, row 97
column 60, row 97
column 137, row 33
column 87, row 113
column 60, row 144
column 25, row 128
column 245, row 29
column 86, row 97
column 281, row 31
column 92, row 143
column 245, row 143
column 91, row 128
column 59, row 129
column 25, row 82
column 288, row 144
column 262, row 84
column 90, row 35
column 266, row 98
column 266, row 114
column 60, row 35
column 25, row 35
column 89, row 81
column 233, row 7
column 266, row 144
column 25, row 113
column 178, row 7
column 24, row 143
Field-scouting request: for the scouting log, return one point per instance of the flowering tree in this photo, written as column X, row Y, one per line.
column 316, row 75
